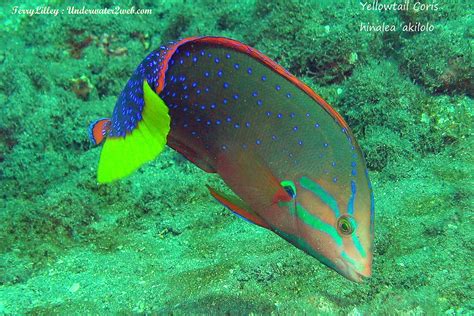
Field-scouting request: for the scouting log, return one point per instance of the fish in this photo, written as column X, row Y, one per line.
column 290, row 160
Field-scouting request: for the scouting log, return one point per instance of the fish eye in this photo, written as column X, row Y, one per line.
column 344, row 225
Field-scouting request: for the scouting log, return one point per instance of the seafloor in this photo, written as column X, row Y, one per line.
column 157, row 242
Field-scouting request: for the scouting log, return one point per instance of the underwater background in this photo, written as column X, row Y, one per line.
column 157, row 242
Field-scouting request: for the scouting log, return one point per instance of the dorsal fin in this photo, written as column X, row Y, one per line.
column 252, row 52
column 98, row 130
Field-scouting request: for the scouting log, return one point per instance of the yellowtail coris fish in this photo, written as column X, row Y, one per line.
column 288, row 156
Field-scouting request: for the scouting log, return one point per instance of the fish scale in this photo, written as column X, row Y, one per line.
column 264, row 120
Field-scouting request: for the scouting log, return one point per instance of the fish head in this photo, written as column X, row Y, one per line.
column 334, row 224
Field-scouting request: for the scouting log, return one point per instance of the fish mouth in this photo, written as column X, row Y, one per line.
column 355, row 275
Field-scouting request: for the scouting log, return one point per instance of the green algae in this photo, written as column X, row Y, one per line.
column 446, row 61
column 156, row 242
column 281, row 29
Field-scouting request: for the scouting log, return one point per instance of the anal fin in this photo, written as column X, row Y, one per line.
column 239, row 207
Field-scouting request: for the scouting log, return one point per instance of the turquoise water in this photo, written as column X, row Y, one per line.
column 157, row 242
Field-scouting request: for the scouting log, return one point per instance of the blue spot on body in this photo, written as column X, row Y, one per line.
column 195, row 59
column 227, row 56
column 218, row 122
column 247, row 124
column 228, row 119
column 226, row 85
column 259, row 102
column 237, row 125
column 288, row 95
column 249, row 71
column 254, row 94
column 264, row 78
column 279, row 115
column 295, row 128
column 316, row 125
column 217, row 60
column 236, row 66
column 277, row 87
column 258, row 142
column 235, row 96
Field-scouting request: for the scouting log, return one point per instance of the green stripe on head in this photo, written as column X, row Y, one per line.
column 318, row 190
column 358, row 245
column 317, row 224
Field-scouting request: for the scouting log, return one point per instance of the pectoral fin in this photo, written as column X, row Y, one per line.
column 239, row 207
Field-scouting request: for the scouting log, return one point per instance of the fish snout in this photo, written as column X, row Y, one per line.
column 359, row 275
column 358, row 272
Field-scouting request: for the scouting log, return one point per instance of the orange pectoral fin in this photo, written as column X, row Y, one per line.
column 281, row 196
column 239, row 171
column 239, row 207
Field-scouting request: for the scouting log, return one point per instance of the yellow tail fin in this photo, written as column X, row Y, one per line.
column 121, row 156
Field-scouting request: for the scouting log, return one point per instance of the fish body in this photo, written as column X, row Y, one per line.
column 290, row 159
